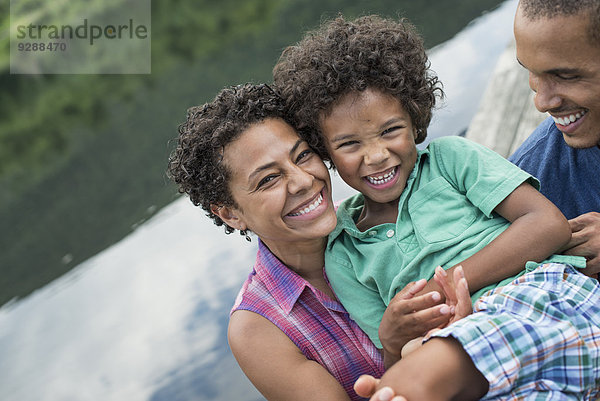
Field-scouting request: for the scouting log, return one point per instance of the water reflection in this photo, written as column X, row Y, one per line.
column 146, row 319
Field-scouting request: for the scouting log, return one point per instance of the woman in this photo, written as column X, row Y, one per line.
column 240, row 160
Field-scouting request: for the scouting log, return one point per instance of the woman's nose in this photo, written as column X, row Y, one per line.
column 299, row 180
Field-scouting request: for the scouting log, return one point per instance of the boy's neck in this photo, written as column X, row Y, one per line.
column 375, row 213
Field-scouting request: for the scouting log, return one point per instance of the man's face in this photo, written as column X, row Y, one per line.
column 564, row 72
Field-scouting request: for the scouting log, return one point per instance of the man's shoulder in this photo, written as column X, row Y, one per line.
column 543, row 137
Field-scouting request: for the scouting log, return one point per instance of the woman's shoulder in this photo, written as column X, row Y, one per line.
column 244, row 324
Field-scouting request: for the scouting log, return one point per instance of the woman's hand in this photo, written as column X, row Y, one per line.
column 408, row 316
column 457, row 299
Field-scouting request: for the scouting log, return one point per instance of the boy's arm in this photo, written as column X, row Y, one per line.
column 275, row 365
column 537, row 230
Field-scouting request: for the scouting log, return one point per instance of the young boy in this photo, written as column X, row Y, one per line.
column 363, row 94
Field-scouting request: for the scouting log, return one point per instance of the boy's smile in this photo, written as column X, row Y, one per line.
column 371, row 141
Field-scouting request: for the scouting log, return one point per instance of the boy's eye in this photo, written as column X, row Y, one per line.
column 348, row 143
column 392, row 129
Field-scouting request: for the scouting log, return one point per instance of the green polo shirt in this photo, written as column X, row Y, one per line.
column 445, row 215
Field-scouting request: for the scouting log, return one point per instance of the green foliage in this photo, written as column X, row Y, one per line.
column 82, row 157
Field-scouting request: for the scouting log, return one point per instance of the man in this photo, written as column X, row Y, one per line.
column 558, row 42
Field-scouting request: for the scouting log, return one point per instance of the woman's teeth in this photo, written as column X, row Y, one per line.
column 382, row 179
column 564, row 121
column 310, row 207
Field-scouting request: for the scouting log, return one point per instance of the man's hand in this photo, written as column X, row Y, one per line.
column 409, row 316
column 585, row 241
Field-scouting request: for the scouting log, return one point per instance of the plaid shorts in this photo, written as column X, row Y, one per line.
column 537, row 338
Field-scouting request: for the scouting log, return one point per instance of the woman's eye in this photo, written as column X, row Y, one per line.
column 304, row 155
column 266, row 180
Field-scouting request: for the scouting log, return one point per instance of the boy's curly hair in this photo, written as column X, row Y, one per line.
column 350, row 56
column 196, row 165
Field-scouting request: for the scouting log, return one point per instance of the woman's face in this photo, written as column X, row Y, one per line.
column 281, row 187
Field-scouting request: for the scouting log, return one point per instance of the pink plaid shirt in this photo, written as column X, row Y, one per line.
column 318, row 325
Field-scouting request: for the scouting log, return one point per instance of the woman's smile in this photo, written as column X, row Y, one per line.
column 312, row 208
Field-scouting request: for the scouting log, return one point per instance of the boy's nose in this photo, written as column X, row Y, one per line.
column 375, row 155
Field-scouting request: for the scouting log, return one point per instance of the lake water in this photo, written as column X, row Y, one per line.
column 146, row 319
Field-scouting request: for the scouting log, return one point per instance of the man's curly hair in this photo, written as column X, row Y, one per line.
column 196, row 165
column 342, row 57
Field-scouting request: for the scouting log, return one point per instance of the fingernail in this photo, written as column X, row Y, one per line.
column 441, row 271
column 385, row 394
column 436, row 296
column 452, row 310
column 460, row 270
column 444, row 310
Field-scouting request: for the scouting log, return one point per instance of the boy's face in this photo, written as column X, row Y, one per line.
column 371, row 141
column 564, row 71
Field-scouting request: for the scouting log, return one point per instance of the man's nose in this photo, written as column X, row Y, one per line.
column 546, row 97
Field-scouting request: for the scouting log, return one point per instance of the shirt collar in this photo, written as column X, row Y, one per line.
column 284, row 284
column 350, row 209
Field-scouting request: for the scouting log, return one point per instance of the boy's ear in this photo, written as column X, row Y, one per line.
column 229, row 215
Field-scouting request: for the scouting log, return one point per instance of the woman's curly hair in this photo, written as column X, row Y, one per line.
column 342, row 57
column 196, row 165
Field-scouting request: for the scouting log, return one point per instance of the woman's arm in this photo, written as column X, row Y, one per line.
column 537, row 230
column 275, row 365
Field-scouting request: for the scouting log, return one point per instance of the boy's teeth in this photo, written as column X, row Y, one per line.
column 382, row 179
column 310, row 207
column 565, row 121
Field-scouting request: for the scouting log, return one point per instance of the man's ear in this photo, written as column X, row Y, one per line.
column 229, row 215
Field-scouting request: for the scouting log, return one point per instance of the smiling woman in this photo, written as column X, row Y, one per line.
column 247, row 167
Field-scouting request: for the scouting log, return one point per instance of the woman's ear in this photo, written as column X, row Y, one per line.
column 229, row 215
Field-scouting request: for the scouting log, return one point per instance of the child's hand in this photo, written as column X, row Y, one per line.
column 408, row 316
column 456, row 291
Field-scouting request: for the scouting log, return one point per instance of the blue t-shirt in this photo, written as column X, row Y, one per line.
column 569, row 177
